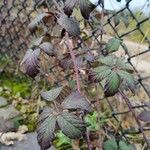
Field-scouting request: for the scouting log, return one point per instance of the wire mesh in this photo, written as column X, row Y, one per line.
column 15, row 39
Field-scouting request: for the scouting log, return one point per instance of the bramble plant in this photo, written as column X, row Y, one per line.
column 66, row 45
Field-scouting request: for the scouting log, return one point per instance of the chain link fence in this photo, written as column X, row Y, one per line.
column 15, row 39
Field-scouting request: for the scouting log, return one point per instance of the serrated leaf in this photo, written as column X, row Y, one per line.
column 30, row 61
column 112, row 84
column 76, row 101
column 70, row 25
column 71, row 125
column 68, row 8
column 113, row 45
column 39, row 18
column 86, row 7
column 51, row 94
column 110, row 145
column 144, row 116
column 127, row 77
column 100, row 73
column 46, row 128
column 48, row 48
column 122, row 65
column 108, row 60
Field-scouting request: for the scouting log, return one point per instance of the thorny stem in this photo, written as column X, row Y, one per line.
column 131, row 110
column 70, row 46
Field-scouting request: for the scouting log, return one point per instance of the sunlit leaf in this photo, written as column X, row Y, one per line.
column 39, row 18
column 112, row 84
column 48, row 48
column 70, row 25
column 108, row 60
column 76, row 101
column 127, row 77
column 86, row 7
column 46, row 128
column 71, row 125
column 52, row 94
column 100, row 73
column 30, row 61
column 144, row 116
column 113, row 45
column 122, row 65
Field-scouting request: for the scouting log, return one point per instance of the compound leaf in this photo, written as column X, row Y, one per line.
column 113, row 45
column 46, row 128
column 76, row 101
column 108, row 60
column 71, row 125
column 52, row 94
column 127, row 77
column 99, row 73
column 112, row 84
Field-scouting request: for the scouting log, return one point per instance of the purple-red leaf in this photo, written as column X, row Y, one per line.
column 46, row 128
column 69, row 5
column 86, row 7
column 48, row 48
column 144, row 116
column 70, row 25
column 71, row 125
column 76, row 101
column 30, row 61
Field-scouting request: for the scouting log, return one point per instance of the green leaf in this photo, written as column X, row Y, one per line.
column 46, row 128
column 52, row 94
column 112, row 84
column 127, row 77
column 110, row 145
column 71, row 125
column 76, row 101
column 116, row 20
column 108, row 60
column 122, row 65
column 62, row 139
column 100, row 73
column 86, row 7
column 124, row 146
column 113, row 45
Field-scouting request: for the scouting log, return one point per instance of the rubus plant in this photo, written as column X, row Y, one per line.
column 70, row 55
